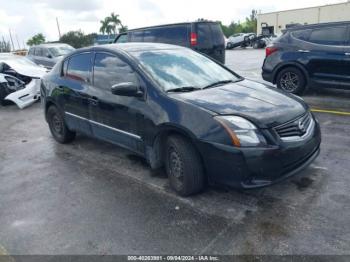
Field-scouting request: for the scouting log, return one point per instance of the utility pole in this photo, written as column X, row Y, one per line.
column 58, row 28
column 13, row 46
column 18, row 42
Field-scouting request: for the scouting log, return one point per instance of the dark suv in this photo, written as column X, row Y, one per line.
column 181, row 110
column 310, row 56
column 205, row 37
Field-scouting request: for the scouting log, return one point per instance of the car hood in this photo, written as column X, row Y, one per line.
column 263, row 105
column 27, row 69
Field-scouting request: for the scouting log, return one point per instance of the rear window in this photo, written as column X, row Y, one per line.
column 79, row 67
column 217, row 34
column 176, row 35
column 209, row 34
column 329, row 36
column 204, row 35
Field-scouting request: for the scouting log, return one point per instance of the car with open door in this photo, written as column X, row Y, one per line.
column 181, row 111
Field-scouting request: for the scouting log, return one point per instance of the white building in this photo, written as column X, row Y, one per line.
column 312, row 15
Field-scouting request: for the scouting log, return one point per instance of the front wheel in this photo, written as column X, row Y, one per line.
column 183, row 166
column 58, row 127
column 291, row 80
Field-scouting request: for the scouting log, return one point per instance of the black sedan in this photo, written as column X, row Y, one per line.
column 183, row 111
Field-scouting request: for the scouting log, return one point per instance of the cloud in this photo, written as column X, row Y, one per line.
column 28, row 17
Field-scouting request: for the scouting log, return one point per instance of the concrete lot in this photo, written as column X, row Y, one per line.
column 90, row 197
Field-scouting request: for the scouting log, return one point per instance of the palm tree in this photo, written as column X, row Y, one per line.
column 104, row 25
column 115, row 21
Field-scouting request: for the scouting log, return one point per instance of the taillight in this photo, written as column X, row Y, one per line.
column 193, row 39
column 270, row 50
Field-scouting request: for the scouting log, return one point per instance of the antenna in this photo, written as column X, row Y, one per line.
column 58, row 28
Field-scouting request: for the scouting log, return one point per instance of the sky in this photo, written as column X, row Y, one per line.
column 27, row 17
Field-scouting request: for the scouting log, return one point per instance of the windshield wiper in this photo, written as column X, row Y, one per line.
column 218, row 83
column 183, row 89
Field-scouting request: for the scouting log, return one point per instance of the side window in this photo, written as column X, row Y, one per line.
column 110, row 70
column 122, row 38
column 204, row 35
column 329, row 36
column 38, row 51
column 31, row 51
column 45, row 52
column 136, row 36
column 178, row 35
column 302, row 34
column 79, row 67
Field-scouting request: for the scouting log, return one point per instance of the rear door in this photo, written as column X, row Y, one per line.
column 325, row 52
column 74, row 89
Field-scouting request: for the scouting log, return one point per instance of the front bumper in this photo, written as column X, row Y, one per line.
column 258, row 167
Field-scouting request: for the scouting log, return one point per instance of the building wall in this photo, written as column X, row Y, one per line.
column 312, row 15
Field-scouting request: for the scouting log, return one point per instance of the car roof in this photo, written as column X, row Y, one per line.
column 128, row 47
column 319, row 25
column 50, row 45
column 174, row 24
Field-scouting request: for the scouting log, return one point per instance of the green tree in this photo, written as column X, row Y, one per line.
column 249, row 26
column 112, row 24
column 36, row 40
column 78, row 39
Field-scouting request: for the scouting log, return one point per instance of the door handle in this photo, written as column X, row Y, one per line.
column 304, row 51
column 93, row 100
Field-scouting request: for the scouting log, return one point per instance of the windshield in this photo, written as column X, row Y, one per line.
column 178, row 68
column 61, row 50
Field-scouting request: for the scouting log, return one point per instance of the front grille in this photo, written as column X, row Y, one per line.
column 296, row 127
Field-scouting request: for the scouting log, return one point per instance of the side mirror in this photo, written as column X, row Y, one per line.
column 126, row 89
column 49, row 56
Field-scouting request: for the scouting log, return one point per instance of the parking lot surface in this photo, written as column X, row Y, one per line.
column 90, row 197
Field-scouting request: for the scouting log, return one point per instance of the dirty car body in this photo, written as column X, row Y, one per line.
column 19, row 80
column 246, row 134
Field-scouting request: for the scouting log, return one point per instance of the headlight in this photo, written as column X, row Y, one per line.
column 242, row 132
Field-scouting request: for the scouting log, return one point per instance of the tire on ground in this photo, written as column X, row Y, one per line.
column 302, row 80
column 190, row 163
column 66, row 135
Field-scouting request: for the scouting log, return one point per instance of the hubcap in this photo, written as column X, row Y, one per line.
column 175, row 168
column 57, row 124
column 289, row 82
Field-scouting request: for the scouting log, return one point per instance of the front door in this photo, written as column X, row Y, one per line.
column 115, row 118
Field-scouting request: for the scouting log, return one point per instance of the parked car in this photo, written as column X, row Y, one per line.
column 182, row 110
column 19, row 80
column 205, row 37
column 47, row 55
column 238, row 39
column 310, row 56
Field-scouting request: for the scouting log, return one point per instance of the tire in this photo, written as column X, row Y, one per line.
column 58, row 127
column 255, row 45
column 291, row 80
column 183, row 166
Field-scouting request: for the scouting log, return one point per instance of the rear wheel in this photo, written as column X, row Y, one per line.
column 291, row 80
column 58, row 127
column 183, row 166
column 256, row 45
